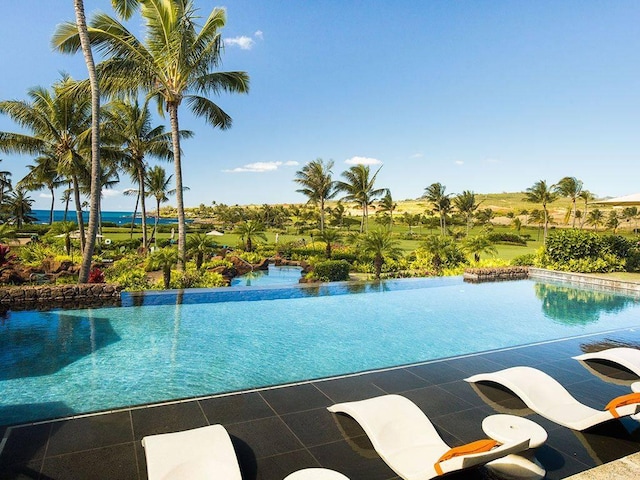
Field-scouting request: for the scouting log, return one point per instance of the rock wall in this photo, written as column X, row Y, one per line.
column 46, row 297
column 495, row 274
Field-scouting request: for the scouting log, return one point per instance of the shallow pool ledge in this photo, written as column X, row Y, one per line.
column 584, row 279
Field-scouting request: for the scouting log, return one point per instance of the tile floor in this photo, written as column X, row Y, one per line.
column 278, row 431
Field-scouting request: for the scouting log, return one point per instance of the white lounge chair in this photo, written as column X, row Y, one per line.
column 408, row 442
column 626, row 357
column 205, row 453
column 545, row 396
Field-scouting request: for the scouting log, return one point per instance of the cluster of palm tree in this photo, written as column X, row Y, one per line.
column 175, row 65
column 15, row 204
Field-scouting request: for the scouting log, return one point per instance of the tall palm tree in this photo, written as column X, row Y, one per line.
column 380, row 244
column 132, row 128
column 466, row 205
column 164, row 259
column 59, row 123
column 249, row 230
column 317, row 185
column 586, row 196
column 157, row 184
column 543, row 194
column 440, row 201
column 387, row 205
column 359, row 187
column 613, row 222
column 44, row 174
column 571, row 188
column 174, row 65
column 19, row 208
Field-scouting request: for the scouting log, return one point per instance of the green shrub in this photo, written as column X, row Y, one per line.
column 633, row 260
column 605, row 264
column 586, row 252
column 506, row 237
column 332, row 270
column 524, row 260
column 133, row 279
column 564, row 245
column 617, row 245
column 192, row 278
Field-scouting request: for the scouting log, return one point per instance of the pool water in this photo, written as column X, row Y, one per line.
column 275, row 275
column 173, row 345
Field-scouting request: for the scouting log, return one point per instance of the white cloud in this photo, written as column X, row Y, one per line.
column 417, row 155
column 362, row 161
column 245, row 43
column 459, row 162
column 261, row 167
column 111, row 193
column 45, row 195
column 259, row 35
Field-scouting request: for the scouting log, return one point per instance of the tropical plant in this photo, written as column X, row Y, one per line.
column 543, row 194
column 64, row 230
column 466, row 205
column 163, row 259
column 571, row 188
column 359, row 187
column 380, row 244
column 388, row 206
column 586, row 196
column 18, row 208
column 331, row 270
column 595, row 218
column 440, row 202
column 7, row 232
column 444, row 252
column 174, row 65
column 199, row 245
column 329, row 236
column 613, row 222
column 250, row 230
column 485, row 216
column 630, row 213
column 479, row 244
column 317, row 185
column 5, row 183
column 44, row 174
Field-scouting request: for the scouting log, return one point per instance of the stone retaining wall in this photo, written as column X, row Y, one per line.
column 495, row 274
column 45, row 297
column 584, row 279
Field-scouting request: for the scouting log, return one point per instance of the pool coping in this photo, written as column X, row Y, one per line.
column 626, row 286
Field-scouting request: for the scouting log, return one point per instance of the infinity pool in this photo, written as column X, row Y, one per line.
column 171, row 345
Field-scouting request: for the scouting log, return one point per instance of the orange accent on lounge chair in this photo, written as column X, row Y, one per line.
column 478, row 446
column 621, row 401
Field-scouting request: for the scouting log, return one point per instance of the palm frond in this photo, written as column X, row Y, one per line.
column 213, row 114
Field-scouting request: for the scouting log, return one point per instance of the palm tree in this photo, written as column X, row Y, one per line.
column 380, row 244
column 164, row 259
column 19, row 208
column 543, row 194
column 317, row 185
column 7, row 232
column 59, row 123
column 613, row 222
column 329, row 236
column 175, row 65
column 587, row 197
column 157, row 184
column 44, row 174
column 477, row 245
column 359, row 188
column 5, row 183
column 199, row 244
column 630, row 213
column 570, row 187
column 249, row 230
column 65, row 229
column 387, row 205
column 440, row 201
column 132, row 128
column 595, row 218
column 466, row 205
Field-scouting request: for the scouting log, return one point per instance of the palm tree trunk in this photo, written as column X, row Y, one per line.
column 573, row 225
column 322, row 214
column 175, row 138
column 133, row 217
column 76, row 197
column 143, row 207
column 155, row 226
column 94, row 212
column 52, row 205
column 546, row 223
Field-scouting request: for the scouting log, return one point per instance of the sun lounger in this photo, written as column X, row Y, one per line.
column 626, row 357
column 205, row 453
column 409, row 443
column 545, row 396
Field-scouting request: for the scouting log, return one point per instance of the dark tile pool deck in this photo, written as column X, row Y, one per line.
column 280, row 430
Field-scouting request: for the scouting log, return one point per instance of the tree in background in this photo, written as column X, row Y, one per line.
column 440, row 202
column 479, row 244
column 157, row 184
column 543, row 194
column 466, row 205
column 586, row 196
column 571, row 188
column 359, row 187
column 388, row 206
column 613, row 222
column 18, row 208
column 595, row 218
column 317, row 185
column 44, row 174
column 380, row 244
column 250, row 230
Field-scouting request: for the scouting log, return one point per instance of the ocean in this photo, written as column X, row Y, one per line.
column 119, row 218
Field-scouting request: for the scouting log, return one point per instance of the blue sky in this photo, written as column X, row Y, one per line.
column 489, row 96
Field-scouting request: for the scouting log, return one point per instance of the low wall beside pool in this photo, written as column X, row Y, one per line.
column 495, row 274
column 45, row 297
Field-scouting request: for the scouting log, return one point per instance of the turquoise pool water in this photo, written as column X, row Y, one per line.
column 172, row 345
column 283, row 275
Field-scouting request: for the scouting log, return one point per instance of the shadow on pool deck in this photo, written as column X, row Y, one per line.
column 280, row 430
